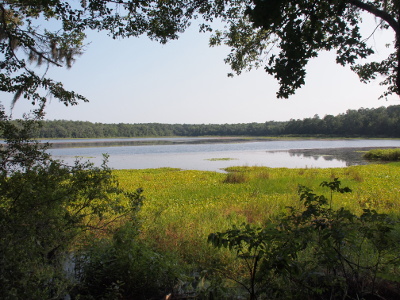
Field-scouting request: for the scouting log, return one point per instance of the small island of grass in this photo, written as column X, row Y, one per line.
column 383, row 154
column 218, row 159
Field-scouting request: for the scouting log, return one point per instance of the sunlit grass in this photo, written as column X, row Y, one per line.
column 183, row 207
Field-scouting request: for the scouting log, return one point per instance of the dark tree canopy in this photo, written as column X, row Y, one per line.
column 364, row 122
column 291, row 32
column 285, row 34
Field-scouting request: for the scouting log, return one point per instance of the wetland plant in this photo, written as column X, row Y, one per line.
column 316, row 252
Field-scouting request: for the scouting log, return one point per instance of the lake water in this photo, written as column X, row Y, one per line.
column 215, row 154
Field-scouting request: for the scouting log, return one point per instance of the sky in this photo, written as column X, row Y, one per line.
column 185, row 82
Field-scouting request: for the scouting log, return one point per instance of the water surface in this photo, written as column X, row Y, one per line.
column 214, row 154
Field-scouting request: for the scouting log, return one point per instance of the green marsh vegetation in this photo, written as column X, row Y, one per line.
column 383, row 155
column 183, row 208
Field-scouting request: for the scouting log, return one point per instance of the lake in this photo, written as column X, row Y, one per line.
column 215, row 154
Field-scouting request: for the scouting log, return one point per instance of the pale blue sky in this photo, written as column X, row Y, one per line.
column 185, row 81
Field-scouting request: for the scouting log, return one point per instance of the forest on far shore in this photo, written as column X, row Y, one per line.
column 364, row 122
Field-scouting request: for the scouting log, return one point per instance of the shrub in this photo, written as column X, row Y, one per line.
column 316, row 252
column 124, row 267
column 46, row 207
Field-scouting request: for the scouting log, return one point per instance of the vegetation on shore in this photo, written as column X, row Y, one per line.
column 375, row 122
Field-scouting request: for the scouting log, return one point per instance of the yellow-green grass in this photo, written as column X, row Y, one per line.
column 383, row 154
column 183, row 207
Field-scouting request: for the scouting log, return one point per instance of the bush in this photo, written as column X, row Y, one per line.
column 46, row 207
column 317, row 252
column 124, row 267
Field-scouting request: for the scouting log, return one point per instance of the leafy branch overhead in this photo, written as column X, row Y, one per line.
column 281, row 35
column 53, row 32
column 285, row 34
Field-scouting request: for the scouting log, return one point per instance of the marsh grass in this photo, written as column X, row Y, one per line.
column 383, row 154
column 183, row 207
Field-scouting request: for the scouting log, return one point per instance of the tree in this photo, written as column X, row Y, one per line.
column 291, row 32
column 52, row 33
column 46, row 209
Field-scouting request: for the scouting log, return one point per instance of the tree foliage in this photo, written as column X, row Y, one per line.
column 46, row 208
column 285, row 34
column 49, row 33
column 374, row 122
column 365, row 122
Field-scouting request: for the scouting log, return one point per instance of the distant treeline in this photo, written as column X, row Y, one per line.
column 379, row 122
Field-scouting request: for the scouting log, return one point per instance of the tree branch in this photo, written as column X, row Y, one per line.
column 378, row 13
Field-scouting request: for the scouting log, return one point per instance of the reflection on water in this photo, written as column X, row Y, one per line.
column 86, row 143
column 214, row 161
column 215, row 154
column 217, row 160
column 351, row 156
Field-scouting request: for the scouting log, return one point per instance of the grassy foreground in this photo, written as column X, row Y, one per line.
column 183, row 207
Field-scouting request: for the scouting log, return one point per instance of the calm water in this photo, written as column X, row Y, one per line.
column 211, row 153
